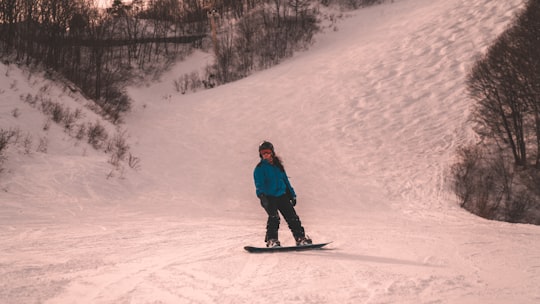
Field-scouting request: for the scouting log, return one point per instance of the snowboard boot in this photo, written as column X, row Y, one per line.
column 304, row 240
column 273, row 243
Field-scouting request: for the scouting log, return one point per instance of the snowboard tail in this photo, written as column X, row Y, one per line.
column 253, row 249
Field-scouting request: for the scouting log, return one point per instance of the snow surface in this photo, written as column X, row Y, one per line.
column 367, row 122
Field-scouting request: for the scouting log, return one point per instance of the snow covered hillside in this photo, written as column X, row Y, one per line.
column 367, row 122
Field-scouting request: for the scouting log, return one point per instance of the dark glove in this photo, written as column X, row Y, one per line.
column 293, row 201
column 264, row 201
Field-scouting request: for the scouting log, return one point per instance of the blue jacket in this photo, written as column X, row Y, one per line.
column 270, row 180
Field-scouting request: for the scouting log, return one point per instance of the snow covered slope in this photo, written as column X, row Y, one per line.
column 366, row 121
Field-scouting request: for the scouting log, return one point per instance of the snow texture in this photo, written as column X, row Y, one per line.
column 367, row 122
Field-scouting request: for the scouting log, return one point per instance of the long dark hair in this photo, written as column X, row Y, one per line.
column 278, row 163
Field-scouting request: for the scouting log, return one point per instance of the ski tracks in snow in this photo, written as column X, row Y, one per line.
column 132, row 258
column 130, row 262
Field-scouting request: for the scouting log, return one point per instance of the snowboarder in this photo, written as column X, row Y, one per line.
column 276, row 194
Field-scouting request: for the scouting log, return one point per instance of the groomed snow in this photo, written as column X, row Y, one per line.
column 367, row 122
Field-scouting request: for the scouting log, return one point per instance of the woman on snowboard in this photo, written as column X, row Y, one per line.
column 276, row 194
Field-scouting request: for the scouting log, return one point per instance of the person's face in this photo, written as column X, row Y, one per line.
column 266, row 154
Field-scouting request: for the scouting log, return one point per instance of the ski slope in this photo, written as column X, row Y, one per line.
column 367, row 122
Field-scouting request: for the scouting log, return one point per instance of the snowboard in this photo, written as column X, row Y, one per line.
column 253, row 249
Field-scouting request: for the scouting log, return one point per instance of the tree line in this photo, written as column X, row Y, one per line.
column 499, row 177
column 96, row 49
column 100, row 49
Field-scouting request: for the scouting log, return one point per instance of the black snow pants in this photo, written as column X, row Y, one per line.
column 284, row 206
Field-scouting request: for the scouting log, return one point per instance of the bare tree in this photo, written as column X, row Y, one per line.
column 526, row 62
column 499, row 111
